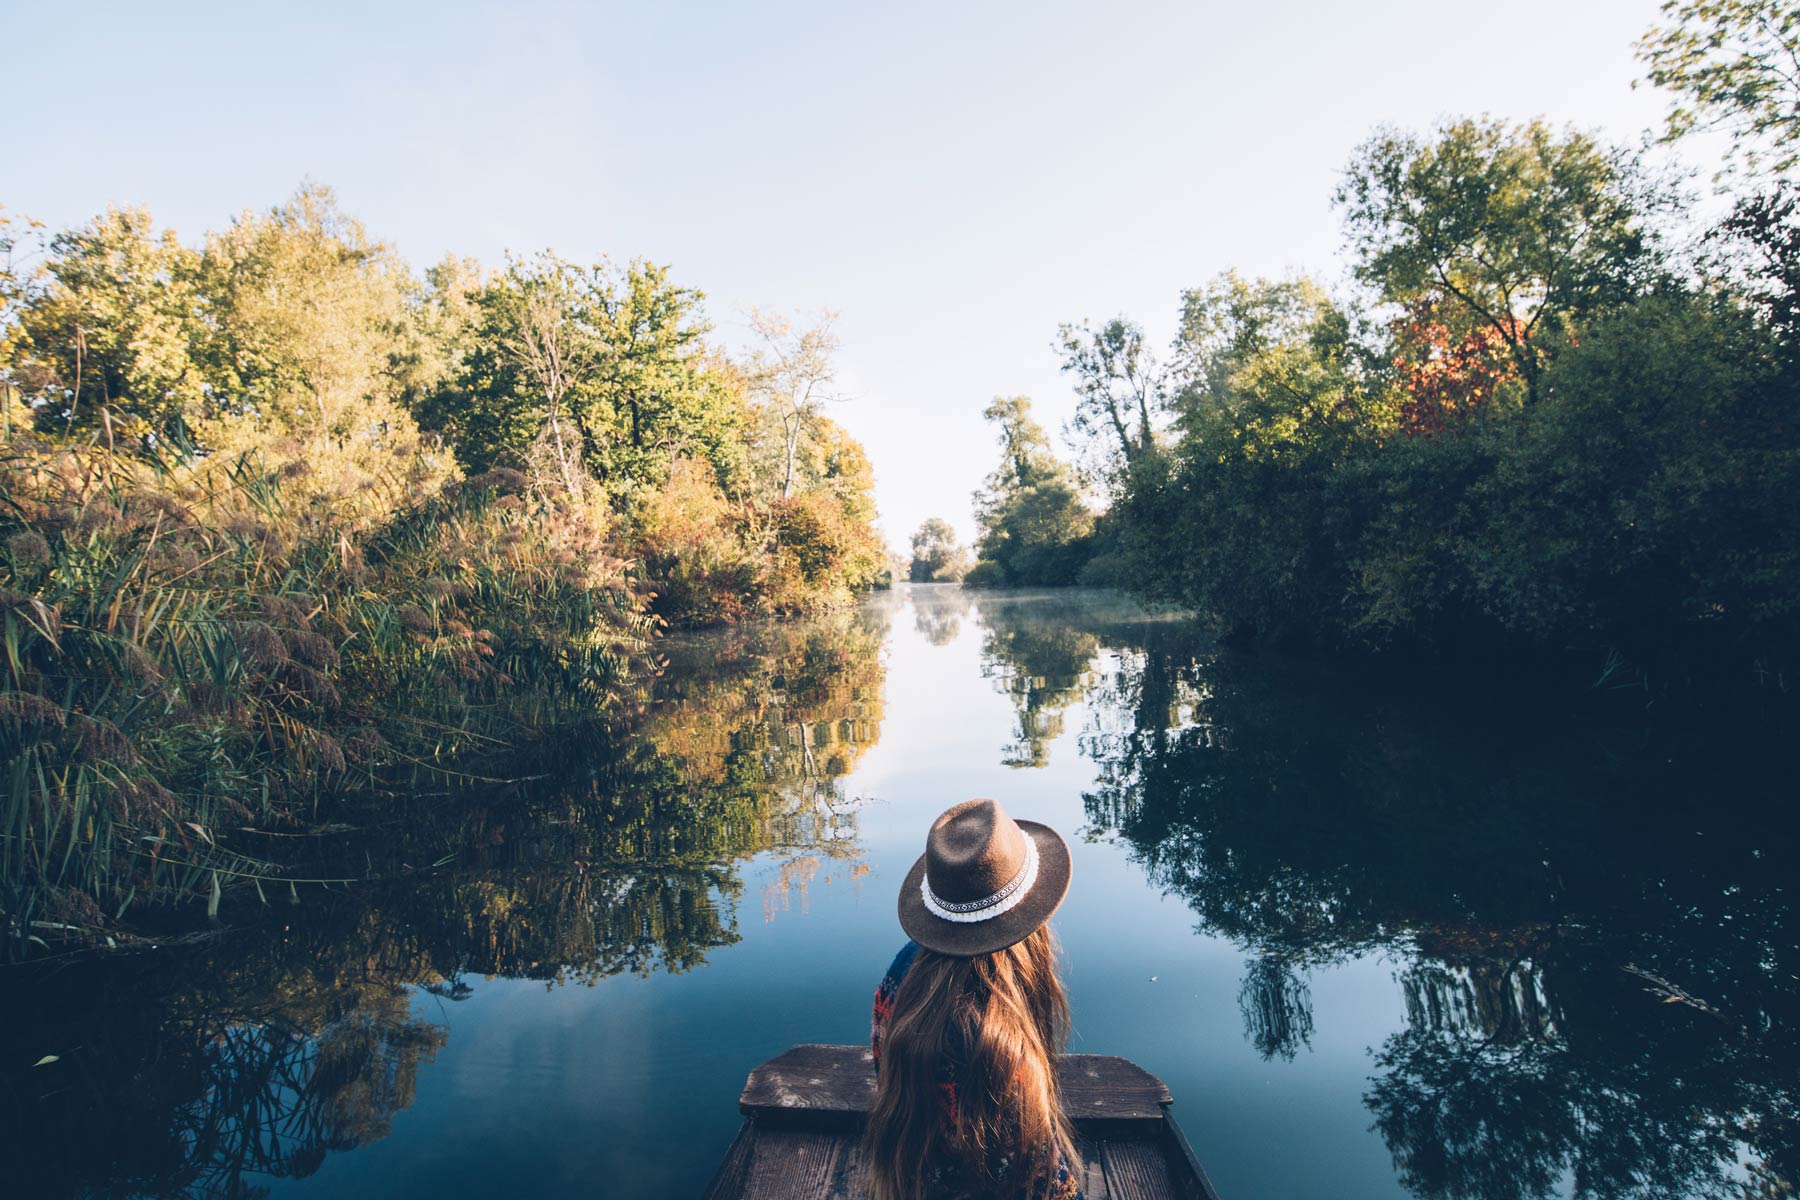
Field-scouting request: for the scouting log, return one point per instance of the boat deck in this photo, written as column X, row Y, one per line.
column 804, row 1112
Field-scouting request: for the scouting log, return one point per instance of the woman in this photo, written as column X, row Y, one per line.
column 969, row 1019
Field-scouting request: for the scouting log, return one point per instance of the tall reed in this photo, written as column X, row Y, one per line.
column 196, row 656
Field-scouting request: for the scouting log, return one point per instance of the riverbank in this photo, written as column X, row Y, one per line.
column 198, row 663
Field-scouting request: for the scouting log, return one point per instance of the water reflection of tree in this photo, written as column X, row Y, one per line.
column 804, row 701
column 163, row 1088
column 938, row 610
column 198, row 1071
column 1277, row 1007
column 1042, row 660
column 1598, row 943
column 276, row 1099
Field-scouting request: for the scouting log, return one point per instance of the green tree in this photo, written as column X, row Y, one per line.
column 1120, row 389
column 608, row 364
column 1735, row 67
column 105, row 332
column 485, row 404
column 937, row 556
column 305, row 320
column 792, row 377
column 1035, row 527
column 1242, row 519
column 651, row 398
column 1230, row 321
column 1518, row 230
column 443, row 310
column 1765, row 231
column 1657, row 501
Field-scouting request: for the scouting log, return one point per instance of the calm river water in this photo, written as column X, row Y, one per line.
column 1377, row 945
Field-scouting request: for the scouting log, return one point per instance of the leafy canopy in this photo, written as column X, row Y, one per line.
column 1520, row 229
column 1119, row 387
column 937, row 556
column 1034, row 523
column 1735, row 67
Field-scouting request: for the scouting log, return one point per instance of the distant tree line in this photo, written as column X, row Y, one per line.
column 1538, row 417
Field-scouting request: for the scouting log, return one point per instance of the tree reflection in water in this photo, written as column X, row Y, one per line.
column 1596, row 923
column 276, row 1099
column 1037, row 651
column 209, row 1068
column 938, row 610
column 1277, row 1007
column 203, row 1095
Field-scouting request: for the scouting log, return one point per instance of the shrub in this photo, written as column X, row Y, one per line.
column 985, row 574
column 188, row 656
column 1103, row 570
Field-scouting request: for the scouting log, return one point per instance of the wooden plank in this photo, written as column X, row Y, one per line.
column 1137, row 1170
column 1093, row 1171
column 816, row 1086
column 729, row 1180
column 846, row 1181
column 1106, row 1087
column 790, row 1165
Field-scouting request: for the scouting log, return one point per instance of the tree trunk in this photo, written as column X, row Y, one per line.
column 793, row 449
column 1118, row 424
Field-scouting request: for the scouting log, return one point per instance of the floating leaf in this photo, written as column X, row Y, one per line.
column 47, row 1060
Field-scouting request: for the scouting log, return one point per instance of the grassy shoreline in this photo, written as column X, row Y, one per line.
column 186, row 653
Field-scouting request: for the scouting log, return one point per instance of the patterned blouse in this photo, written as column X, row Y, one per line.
column 953, row 1180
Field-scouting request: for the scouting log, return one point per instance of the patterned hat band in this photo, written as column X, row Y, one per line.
column 988, row 907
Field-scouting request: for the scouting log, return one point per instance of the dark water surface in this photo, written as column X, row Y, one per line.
column 1378, row 945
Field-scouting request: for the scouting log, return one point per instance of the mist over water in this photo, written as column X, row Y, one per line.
column 1378, row 943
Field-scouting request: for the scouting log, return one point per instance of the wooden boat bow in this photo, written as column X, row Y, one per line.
column 804, row 1111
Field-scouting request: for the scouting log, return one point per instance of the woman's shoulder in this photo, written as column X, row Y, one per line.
column 903, row 962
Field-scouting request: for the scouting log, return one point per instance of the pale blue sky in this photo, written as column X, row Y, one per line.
column 955, row 179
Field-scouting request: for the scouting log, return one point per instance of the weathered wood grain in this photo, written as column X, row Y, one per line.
column 812, row 1084
column 729, row 1180
column 1137, row 1170
column 846, row 1181
column 790, row 1165
column 1093, row 1172
column 818, row 1083
column 1105, row 1087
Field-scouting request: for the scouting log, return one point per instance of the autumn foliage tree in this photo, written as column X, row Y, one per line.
column 1446, row 372
column 1522, row 231
column 277, row 514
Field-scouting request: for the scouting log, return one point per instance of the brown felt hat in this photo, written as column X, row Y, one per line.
column 984, row 882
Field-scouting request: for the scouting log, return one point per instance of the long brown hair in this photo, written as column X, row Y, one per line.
column 1011, row 1015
